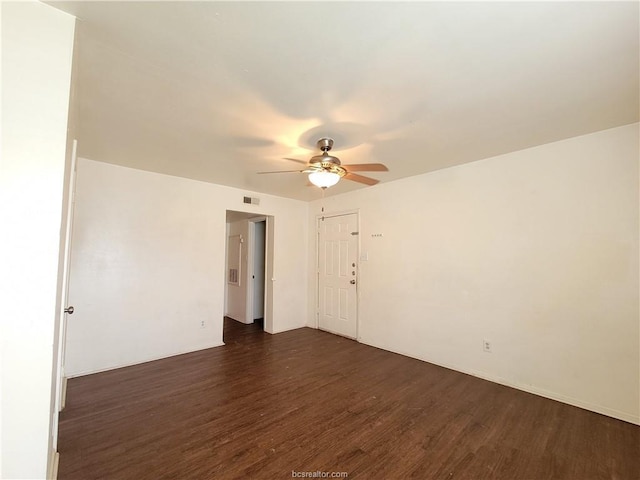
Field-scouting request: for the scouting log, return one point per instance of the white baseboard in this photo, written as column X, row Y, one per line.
column 53, row 473
column 63, row 395
column 609, row 412
column 153, row 359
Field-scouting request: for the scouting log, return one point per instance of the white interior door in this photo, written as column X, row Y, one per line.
column 337, row 274
column 61, row 380
column 259, row 230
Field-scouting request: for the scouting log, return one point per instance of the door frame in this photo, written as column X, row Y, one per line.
column 320, row 216
column 268, row 264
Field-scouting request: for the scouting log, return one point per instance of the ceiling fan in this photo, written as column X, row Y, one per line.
column 325, row 170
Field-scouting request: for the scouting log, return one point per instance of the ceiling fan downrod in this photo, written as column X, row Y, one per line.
column 325, row 144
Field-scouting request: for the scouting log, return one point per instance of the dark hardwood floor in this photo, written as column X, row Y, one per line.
column 266, row 405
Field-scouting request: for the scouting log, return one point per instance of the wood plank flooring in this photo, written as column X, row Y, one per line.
column 264, row 406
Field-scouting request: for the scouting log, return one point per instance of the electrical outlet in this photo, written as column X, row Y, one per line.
column 202, row 324
column 486, row 345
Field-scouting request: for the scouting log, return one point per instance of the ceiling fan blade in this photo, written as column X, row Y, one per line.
column 366, row 167
column 295, row 160
column 309, row 169
column 360, row 178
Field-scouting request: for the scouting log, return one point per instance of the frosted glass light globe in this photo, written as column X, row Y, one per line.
column 324, row 179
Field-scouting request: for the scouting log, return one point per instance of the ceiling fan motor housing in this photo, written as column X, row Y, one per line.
column 325, row 160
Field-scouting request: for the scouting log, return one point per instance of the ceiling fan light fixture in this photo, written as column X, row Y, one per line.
column 326, row 170
column 324, row 179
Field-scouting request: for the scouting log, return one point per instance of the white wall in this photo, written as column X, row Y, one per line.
column 536, row 251
column 148, row 265
column 37, row 46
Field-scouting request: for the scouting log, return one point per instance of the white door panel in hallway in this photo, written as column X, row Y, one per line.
column 337, row 274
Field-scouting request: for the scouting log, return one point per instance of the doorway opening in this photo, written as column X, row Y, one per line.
column 249, row 268
column 257, row 237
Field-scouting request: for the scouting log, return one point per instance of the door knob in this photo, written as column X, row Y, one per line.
column 352, row 282
column 68, row 310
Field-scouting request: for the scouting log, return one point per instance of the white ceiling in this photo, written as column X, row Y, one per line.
column 217, row 91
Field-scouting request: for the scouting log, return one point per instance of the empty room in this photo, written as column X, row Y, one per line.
column 374, row 240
